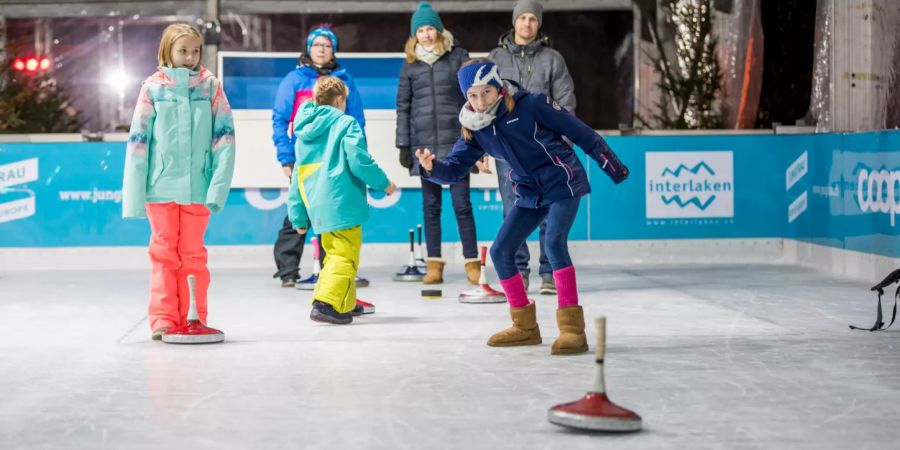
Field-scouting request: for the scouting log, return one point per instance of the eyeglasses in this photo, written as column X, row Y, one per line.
column 322, row 46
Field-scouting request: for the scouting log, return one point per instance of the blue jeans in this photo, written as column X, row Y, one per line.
column 520, row 222
column 462, row 208
column 523, row 256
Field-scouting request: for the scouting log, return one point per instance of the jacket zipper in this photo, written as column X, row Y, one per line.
column 529, row 63
column 523, row 79
column 434, row 102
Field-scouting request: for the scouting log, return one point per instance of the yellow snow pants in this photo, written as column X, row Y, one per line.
column 337, row 281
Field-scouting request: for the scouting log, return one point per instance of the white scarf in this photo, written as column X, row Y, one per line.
column 475, row 120
column 427, row 55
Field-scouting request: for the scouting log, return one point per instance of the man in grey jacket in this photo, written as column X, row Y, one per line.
column 523, row 55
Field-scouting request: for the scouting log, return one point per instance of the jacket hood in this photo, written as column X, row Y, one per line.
column 449, row 41
column 169, row 76
column 507, row 40
column 314, row 120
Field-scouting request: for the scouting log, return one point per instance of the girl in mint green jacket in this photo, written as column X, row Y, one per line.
column 178, row 167
column 328, row 190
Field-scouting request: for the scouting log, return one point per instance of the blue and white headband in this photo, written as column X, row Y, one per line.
column 479, row 74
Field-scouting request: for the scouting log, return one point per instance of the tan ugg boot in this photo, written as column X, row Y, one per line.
column 435, row 273
column 571, row 338
column 524, row 331
column 473, row 270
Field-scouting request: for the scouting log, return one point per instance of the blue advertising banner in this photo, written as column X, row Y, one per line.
column 692, row 187
column 845, row 192
column 842, row 191
column 70, row 194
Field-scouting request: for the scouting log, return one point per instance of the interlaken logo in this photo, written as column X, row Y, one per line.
column 690, row 185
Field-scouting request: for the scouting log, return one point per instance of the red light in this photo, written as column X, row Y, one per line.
column 18, row 64
column 45, row 63
column 31, row 64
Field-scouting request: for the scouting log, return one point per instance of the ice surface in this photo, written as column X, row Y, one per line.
column 735, row 356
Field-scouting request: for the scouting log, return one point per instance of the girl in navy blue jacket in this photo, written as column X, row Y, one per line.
column 526, row 131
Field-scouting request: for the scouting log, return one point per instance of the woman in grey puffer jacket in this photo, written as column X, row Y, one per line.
column 428, row 104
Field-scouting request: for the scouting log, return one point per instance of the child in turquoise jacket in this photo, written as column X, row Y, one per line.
column 328, row 190
column 178, row 166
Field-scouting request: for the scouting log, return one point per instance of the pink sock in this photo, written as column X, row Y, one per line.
column 566, row 289
column 514, row 288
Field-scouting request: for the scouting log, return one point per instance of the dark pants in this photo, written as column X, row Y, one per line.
column 523, row 256
column 462, row 207
column 520, row 222
column 289, row 249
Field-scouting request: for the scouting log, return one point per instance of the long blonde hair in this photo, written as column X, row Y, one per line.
column 440, row 46
column 169, row 36
column 328, row 90
column 507, row 99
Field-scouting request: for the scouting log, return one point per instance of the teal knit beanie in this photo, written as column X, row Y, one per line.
column 425, row 15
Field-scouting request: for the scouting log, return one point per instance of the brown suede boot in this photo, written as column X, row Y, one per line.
column 473, row 270
column 524, row 331
column 435, row 273
column 571, row 338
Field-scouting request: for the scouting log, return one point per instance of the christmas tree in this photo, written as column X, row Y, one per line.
column 689, row 83
column 33, row 102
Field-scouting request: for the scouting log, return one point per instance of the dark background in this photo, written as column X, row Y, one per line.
column 595, row 44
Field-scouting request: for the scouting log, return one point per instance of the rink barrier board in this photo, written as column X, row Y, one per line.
column 835, row 190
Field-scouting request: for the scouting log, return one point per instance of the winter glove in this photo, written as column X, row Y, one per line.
column 612, row 166
column 406, row 159
column 288, row 169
